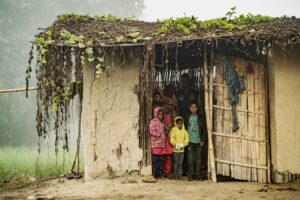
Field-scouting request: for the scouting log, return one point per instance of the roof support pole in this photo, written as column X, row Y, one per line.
column 208, row 88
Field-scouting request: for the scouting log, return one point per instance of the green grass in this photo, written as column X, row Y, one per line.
column 22, row 162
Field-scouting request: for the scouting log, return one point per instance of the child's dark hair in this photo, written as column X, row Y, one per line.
column 156, row 93
column 179, row 120
column 194, row 103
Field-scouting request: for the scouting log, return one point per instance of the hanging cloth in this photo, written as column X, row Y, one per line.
column 236, row 85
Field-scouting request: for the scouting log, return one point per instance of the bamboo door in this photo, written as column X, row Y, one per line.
column 241, row 154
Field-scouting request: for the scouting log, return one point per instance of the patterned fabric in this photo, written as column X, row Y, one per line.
column 157, row 130
column 168, row 147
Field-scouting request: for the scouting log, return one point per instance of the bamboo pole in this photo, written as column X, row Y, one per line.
column 241, row 164
column 256, row 119
column 208, row 101
column 217, row 119
column 262, row 123
column 267, row 118
column 227, row 127
column 244, row 129
column 247, row 90
column 242, row 138
column 252, row 145
column 238, row 110
column 18, row 90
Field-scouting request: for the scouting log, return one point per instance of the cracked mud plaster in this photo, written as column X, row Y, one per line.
column 110, row 121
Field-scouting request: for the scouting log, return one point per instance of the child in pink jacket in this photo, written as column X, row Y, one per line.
column 158, row 137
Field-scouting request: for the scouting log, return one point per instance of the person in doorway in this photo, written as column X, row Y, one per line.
column 179, row 139
column 158, row 137
column 184, row 95
column 196, row 141
column 168, row 107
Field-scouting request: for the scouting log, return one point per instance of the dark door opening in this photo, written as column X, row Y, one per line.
column 177, row 65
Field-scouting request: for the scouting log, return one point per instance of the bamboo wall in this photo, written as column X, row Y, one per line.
column 241, row 154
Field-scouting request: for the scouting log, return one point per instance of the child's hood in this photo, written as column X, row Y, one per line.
column 175, row 124
column 155, row 112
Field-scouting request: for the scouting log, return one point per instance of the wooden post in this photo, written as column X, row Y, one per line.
column 208, row 108
column 268, row 148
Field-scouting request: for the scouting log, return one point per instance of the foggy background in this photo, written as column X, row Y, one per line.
column 20, row 19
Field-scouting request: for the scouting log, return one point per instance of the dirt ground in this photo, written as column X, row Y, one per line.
column 134, row 188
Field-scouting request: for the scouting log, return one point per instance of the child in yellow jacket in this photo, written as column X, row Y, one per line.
column 179, row 138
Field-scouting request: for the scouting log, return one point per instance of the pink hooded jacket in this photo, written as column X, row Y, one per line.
column 157, row 130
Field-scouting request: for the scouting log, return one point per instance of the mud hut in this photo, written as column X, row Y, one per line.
column 110, row 67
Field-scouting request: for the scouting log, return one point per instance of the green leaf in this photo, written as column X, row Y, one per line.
column 40, row 40
column 89, row 51
column 119, row 39
column 81, row 45
column 91, row 59
column 102, row 33
column 65, row 34
column 134, row 35
column 44, row 61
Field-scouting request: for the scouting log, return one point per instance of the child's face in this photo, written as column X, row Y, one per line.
column 156, row 97
column 179, row 124
column 193, row 108
column 160, row 115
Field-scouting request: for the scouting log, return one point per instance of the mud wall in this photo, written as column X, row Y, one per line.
column 110, row 119
column 284, row 91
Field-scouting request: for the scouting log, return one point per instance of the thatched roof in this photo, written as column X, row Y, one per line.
column 110, row 31
column 66, row 46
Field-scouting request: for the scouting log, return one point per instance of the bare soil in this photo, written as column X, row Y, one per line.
column 134, row 188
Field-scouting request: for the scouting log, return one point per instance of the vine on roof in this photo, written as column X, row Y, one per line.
column 230, row 22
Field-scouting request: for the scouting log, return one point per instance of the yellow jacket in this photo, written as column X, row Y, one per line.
column 179, row 137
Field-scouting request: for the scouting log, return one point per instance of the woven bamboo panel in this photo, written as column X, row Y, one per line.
column 241, row 154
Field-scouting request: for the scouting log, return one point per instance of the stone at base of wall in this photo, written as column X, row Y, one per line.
column 284, row 177
column 146, row 170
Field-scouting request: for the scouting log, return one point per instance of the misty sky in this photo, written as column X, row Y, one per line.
column 217, row 8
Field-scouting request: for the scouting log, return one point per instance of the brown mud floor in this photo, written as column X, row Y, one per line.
column 134, row 188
